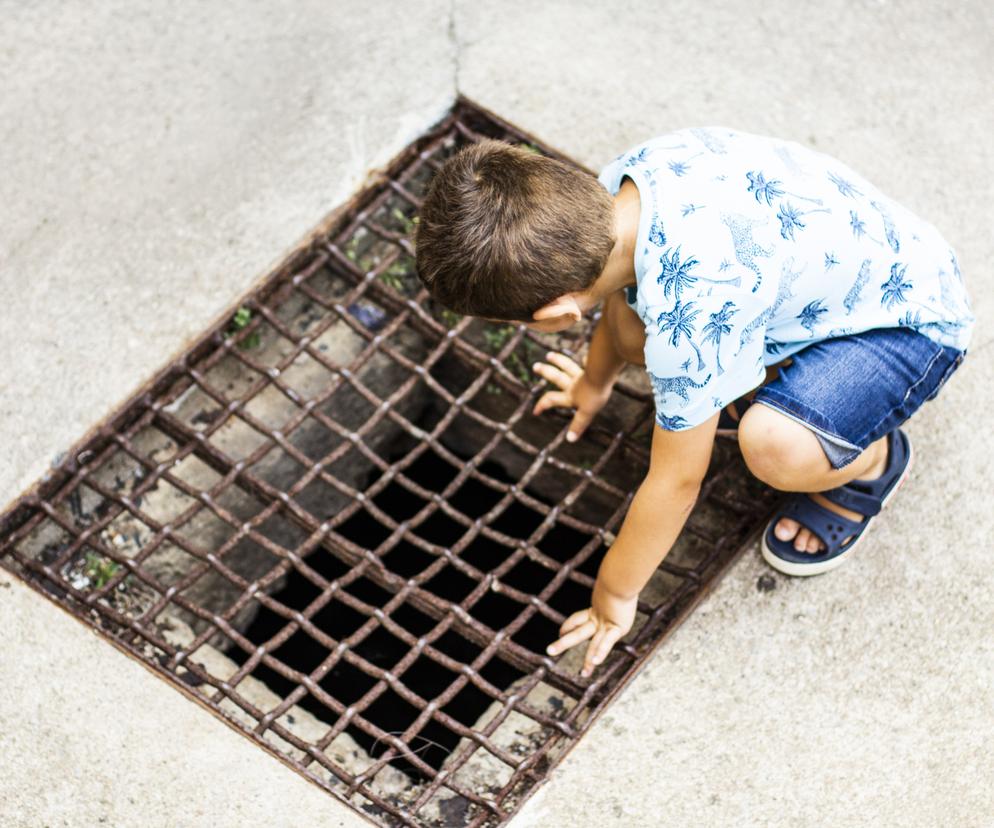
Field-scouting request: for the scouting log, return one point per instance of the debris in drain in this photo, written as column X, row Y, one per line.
column 334, row 520
column 368, row 315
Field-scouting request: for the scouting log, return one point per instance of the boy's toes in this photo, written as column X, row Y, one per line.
column 786, row 529
column 807, row 542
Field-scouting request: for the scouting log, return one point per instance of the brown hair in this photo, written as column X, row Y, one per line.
column 504, row 231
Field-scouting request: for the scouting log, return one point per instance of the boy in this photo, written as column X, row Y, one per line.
column 720, row 256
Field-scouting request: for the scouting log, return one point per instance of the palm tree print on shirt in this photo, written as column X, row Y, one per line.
column 859, row 227
column 769, row 190
column 895, row 286
column 810, row 313
column 847, row 189
column 790, row 218
column 676, row 275
column 680, row 321
column 638, row 157
column 717, row 326
column 830, row 261
column 674, row 423
column 680, row 168
column 945, row 326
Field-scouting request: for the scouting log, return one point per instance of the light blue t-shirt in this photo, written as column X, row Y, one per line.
column 752, row 248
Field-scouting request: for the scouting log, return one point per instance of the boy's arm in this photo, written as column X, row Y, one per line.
column 678, row 463
column 604, row 362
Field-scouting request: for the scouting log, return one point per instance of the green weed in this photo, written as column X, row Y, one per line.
column 405, row 222
column 396, row 275
column 450, row 318
column 99, row 569
column 239, row 321
column 517, row 363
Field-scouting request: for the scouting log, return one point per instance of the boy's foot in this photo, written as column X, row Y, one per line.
column 804, row 540
column 837, row 533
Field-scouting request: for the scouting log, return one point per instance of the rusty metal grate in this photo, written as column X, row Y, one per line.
column 335, row 524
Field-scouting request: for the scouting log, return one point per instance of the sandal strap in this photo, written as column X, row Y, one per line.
column 849, row 497
column 826, row 525
column 867, row 496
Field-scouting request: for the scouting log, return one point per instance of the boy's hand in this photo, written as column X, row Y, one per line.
column 607, row 620
column 575, row 391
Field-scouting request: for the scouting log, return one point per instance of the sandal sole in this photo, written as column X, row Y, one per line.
column 802, row 569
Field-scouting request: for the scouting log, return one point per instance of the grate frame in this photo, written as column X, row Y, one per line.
column 354, row 272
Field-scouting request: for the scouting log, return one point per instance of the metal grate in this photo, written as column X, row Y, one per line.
column 334, row 522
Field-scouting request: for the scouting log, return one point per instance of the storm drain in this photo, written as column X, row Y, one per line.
column 335, row 523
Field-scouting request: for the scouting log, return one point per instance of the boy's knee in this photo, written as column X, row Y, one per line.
column 776, row 449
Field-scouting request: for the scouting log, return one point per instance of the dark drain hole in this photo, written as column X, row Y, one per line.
column 427, row 678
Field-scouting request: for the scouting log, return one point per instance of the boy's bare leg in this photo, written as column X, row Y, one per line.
column 810, row 470
column 787, row 456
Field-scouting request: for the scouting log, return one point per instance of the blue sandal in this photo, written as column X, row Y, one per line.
column 864, row 496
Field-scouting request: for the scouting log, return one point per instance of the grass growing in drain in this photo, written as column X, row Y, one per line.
column 405, row 221
column 495, row 338
column 99, row 569
column 241, row 318
column 450, row 318
column 396, row 275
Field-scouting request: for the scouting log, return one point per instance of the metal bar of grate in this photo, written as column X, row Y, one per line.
column 334, row 523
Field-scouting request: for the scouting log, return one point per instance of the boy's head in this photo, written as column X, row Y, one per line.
column 504, row 232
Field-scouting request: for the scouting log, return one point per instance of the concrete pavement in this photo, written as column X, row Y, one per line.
column 157, row 160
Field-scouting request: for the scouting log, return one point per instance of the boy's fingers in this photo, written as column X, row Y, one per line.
column 575, row 620
column 599, row 647
column 565, row 363
column 572, row 638
column 588, row 657
column 577, row 426
column 552, row 399
column 553, row 375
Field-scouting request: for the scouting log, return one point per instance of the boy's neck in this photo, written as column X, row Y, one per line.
column 619, row 272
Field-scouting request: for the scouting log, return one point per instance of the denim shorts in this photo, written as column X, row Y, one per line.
column 852, row 390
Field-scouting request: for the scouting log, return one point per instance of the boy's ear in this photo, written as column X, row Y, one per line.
column 565, row 305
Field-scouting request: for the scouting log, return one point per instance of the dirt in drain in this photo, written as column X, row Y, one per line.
column 348, row 683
